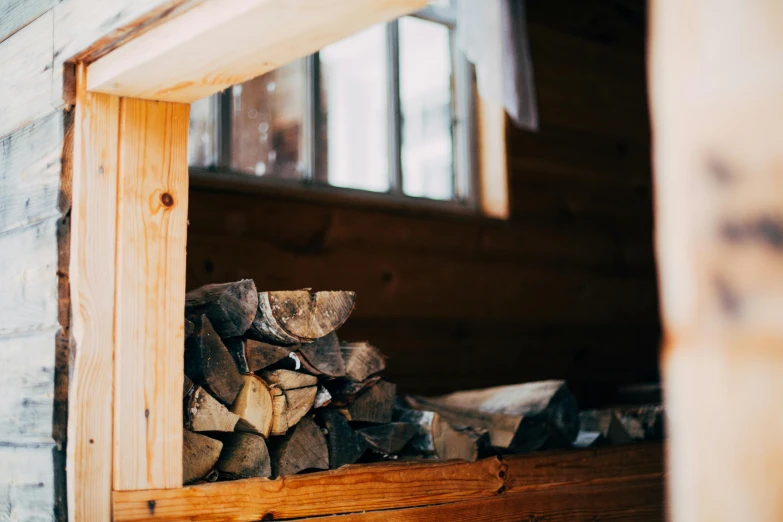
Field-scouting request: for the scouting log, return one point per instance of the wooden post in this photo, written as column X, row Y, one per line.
column 152, row 214
column 717, row 100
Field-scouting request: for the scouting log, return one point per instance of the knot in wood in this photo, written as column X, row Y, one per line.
column 167, row 199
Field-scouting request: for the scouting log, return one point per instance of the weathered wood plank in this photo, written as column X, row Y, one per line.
column 92, row 276
column 151, row 237
column 27, row 388
column 26, row 484
column 28, row 277
column 640, row 500
column 26, row 62
column 15, row 14
column 30, row 173
column 348, row 489
column 198, row 53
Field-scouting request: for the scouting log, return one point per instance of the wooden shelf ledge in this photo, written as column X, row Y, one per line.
column 624, row 479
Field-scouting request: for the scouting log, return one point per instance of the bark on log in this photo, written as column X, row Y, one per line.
column 361, row 360
column 244, row 455
column 389, row 438
column 302, row 448
column 252, row 356
column 288, row 379
column 209, row 364
column 231, row 307
column 295, row 316
column 519, row 418
column 204, row 413
column 254, row 407
column 345, row 445
column 199, row 455
column 325, row 355
column 373, row 405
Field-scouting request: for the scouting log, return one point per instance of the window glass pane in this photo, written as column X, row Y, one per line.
column 202, row 141
column 266, row 123
column 426, row 106
column 355, row 111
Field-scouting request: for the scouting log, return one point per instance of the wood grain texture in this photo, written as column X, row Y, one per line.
column 26, row 62
column 197, row 53
column 92, row 277
column 26, row 483
column 349, row 489
column 717, row 114
column 28, row 277
column 150, row 298
column 640, row 500
column 30, row 173
column 15, row 14
column 27, row 388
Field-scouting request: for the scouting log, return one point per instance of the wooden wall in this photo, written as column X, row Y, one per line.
column 565, row 288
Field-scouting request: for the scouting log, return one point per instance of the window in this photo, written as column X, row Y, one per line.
column 388, row 110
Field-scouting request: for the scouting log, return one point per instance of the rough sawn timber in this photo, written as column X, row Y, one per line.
column 387, row 486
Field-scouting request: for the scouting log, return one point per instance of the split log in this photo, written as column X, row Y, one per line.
column 279, row 419
column 422, row 442
column 435, row 437
column 519, row 418
column 345, row 445
column 187, row 386
column 389, row 438
column 305, row 366
column 325, row 355
column 231, row 307
column 298, row 402
column 204, row 413
column 601, row 427
column 302, row 448
column 251, row 356
column 643, row 422
column 209, row 364
column 288, row 379
column 254, row 407
column 344, row 391
column 361, row 360
column 295, row 316
column 189, row 327
column 373, row 405
column 244, row 455
column 199, row 455
column 322, row 398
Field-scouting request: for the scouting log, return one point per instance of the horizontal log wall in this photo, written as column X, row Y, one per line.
column 565, row 288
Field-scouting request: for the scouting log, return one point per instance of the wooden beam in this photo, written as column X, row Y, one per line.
column 92, row 269
column 218, row 43
column 397, row 485
column 151, row 236
column 717, row 106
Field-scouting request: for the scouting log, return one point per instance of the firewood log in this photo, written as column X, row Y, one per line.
column 204, row 413
column 199, row 455
column 244, row 455
column 209, row 364
column 519, row 418
column 298, row 402
column 187, row 386
column 254, row 407
column 599, row 427
column 345, row 445
column 372, row 405
column 279, row 419
column 344, row 390
column 288, row 379
column 251, row 356
column 231, row 307
column 361, row 360
column 302, row 448
column 325, row 355
column 322, row 398
column 295, row 316
column 189, row 327
column 388, row 438
column 435, row 437
column 645, row 422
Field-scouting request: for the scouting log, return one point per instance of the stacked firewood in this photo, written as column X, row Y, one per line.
column 271, row 391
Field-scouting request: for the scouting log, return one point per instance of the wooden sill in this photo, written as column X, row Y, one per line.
column 601, row 483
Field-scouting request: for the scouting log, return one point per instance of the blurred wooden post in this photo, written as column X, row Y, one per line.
column 716, row 80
